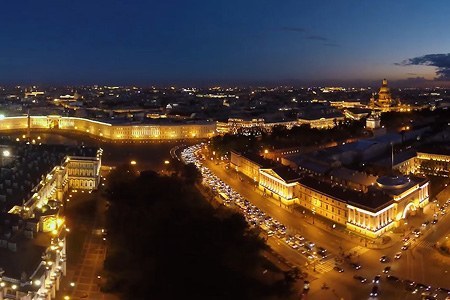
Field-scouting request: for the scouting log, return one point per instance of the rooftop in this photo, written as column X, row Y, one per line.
column 286, row 173
column 373, row 200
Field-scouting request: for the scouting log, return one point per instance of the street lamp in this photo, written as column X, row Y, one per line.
column 313, row 214
column 133, row 163
column 315, row 260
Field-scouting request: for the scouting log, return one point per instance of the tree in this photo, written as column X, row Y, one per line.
column 167, row 242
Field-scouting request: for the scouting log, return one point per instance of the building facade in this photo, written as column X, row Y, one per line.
column 110, row 131
column 42, row 218
column 279, row 183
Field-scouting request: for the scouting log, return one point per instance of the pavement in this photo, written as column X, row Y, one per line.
column 86, row 274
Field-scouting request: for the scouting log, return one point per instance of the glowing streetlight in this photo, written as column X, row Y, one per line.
column 133, row 163
column 166, row 162
column 266, row 151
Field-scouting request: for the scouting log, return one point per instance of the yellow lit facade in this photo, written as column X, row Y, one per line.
column 434, row 163
column 272, row 183
column 42, row 214
column 321, row 123
column 120, row 132
column 246, row 165
column 322, row 204
column 370, row 212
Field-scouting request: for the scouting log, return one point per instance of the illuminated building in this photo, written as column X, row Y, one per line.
column 110, row 131
column 279, row 183
column 384, row 102
column 370, row 213
column 321, row 121
column 249, row 164
column 384, row 95
column 434, row 161
column 363, row 203
column 374, row 121
column 38, row 238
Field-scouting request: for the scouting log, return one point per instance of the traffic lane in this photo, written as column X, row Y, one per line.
column 414, row 265
column 291, row 255
column 346, row 283
column 287, row 218
column 374, row 265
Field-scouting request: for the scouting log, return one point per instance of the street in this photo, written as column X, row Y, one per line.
column 413, row 264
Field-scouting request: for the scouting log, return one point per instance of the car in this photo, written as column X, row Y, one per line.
column 398, row 255
column 376, row 279
column 374, row 291
column 443, row 290
column 386, row 269
column 422, row 286
column 338, row 269
column 360, row 278
column 392, row 278
column 384, row 259
column 434, row 221
column 355, row 266
column 405, row 247
column 425, row 224
column 321, row 249
column 409, row 283
column 322, row 252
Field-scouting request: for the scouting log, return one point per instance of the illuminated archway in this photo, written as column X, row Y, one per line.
column 410, row 207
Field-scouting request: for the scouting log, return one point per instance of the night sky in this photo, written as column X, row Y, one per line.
column 223, row 42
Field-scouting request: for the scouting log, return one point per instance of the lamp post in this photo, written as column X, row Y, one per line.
column 315, row 260
column 313, row 214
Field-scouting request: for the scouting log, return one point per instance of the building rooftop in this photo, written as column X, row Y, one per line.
column 373, row 200
column 440, row 149
column 353, row 176
column 256, row 158
column 286, row 173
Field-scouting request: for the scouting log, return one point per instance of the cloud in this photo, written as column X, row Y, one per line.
column 293, row 29
column 308, row 36
column 440, row 61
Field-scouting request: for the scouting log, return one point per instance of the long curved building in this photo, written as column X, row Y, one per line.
column 154, row 130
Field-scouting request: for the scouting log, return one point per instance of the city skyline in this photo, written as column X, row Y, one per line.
column 229, row 43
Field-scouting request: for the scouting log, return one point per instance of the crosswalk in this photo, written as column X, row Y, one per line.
column 425, row 244
column 325, row 266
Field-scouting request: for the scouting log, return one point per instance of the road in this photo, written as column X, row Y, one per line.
column 420, row 263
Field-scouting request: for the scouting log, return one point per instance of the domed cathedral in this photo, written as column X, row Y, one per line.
column 384, row 95
column 383, row 101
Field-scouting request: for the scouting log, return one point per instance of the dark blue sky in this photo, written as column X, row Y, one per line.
column 215, row 41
